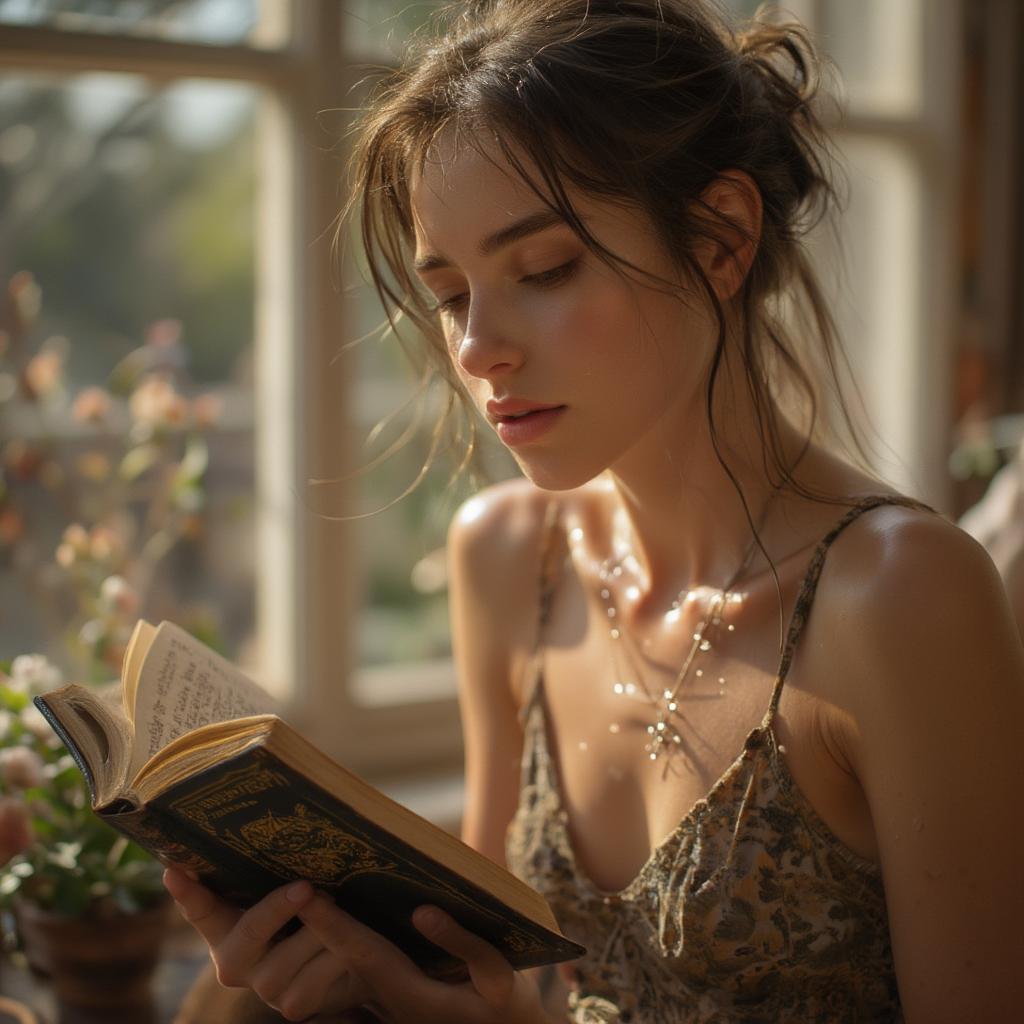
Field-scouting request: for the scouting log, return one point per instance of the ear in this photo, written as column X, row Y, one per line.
column 730, row 210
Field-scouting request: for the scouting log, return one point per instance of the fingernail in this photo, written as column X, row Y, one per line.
column 297, row 893
column 428, row 919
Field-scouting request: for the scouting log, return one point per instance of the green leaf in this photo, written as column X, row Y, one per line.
column 195, row 461
column 138, row 460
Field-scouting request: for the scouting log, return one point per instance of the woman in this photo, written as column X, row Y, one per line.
column 716, row 685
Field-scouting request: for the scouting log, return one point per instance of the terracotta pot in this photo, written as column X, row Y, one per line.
column 101, row 968
column 13, row 1012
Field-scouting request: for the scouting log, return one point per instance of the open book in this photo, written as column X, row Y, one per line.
column 197, row 768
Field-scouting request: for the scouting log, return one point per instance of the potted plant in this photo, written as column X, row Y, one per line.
column 88, row 514
column 90, row 906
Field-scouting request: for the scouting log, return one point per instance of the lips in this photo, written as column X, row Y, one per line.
column 519, row 422
column 511, row 409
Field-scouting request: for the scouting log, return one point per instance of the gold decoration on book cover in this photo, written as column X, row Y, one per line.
column 310, row 846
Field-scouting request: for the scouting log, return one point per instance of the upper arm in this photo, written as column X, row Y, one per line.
column 934, row 671
column 494, row 557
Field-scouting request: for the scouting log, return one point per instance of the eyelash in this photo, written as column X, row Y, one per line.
column 545, row 279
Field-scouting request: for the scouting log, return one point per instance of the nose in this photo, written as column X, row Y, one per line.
column 485, row 350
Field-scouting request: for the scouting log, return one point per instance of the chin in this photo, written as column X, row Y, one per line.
column 550, row 474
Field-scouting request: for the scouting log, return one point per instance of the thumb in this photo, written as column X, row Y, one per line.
column 492, row 975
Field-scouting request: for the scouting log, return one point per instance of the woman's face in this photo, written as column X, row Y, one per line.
column 576, row 367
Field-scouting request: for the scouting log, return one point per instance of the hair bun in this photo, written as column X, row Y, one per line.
column 782, row 55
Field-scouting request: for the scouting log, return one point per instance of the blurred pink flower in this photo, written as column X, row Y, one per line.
column 155, row 403
column 20, row 767
column 44, row 372
column 15, row 828
column 34, row 673
column 27, row 297
column 104, row 544
column 91, row 405
column 117, row 595
column 207, row 409
column 73, row 546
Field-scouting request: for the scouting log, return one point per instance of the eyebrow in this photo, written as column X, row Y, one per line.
column 522, row 228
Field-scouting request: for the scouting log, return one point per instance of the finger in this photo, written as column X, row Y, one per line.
column 325, row 984
column 248, row 942
column 492, row 975
column 380, row 965
column 272, row 975
column 211, row 917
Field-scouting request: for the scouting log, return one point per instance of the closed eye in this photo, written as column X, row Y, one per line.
column 543, row 279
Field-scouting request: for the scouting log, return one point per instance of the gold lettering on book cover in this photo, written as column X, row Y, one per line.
column 204, row 806
column 310, row 846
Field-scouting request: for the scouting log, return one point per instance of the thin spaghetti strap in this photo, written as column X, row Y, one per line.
column 547, row 584
column 805, row 598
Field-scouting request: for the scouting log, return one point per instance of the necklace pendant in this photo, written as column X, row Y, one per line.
column 662, row 736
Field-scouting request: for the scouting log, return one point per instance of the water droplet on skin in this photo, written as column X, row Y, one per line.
column 705, row 645
column 782, row 748
column 667, row 694
column 721, row 681
column 605, row 593
column 630, row 689
column 576, row 534
column 699, row 673
column 731, row 628
column 611, row 613
column 672, row 616
column 619, row 688
column 583, row 745
column 615, row 634
column 633, row 593
column 615, row 728
column 672, row 705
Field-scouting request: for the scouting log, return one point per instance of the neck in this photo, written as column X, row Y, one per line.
column 679, row 512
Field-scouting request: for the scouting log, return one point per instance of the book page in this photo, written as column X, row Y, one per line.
column 183, row 685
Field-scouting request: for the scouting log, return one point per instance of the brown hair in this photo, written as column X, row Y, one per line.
column 639, row 101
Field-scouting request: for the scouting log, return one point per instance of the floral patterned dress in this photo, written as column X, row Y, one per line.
column 751, row 910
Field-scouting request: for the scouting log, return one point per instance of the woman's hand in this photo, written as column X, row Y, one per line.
column 334, row 963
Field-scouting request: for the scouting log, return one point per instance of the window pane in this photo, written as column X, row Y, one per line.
column 404, row 607
column 875, row 295
column 877, row 46
column 380, row 28
column 261, row 23
column 133, row 211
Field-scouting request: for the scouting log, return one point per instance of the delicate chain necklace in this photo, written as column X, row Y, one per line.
column 663, row 735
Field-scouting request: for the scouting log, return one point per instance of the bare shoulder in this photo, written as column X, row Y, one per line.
column 926, row 660
column 898, row 569
column 495, row 544
column 498, row 525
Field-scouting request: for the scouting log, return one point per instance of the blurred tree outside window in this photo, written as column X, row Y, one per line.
column 257, row 23
column 133, row 209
